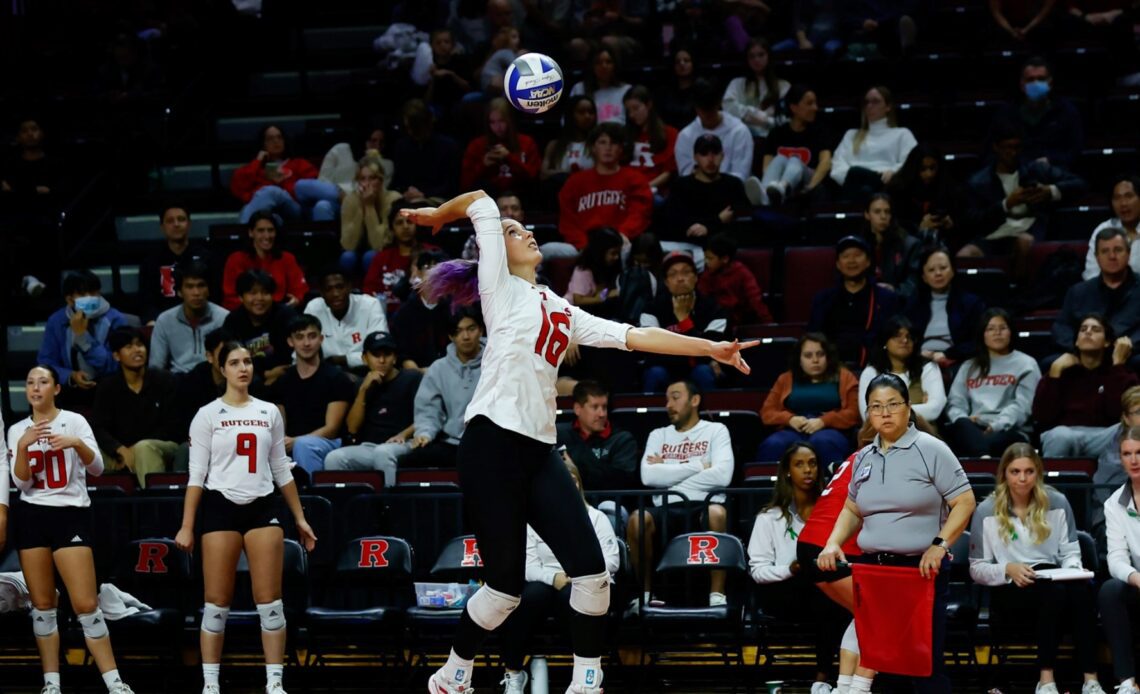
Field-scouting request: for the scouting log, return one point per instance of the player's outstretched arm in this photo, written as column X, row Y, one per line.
column 661, row 341
column 450, row 211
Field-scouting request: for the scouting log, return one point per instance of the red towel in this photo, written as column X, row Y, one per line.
column 894, row 608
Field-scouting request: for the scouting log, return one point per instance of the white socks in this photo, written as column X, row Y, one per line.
column 51, row 678
column 210, row 672
column 111, row 678
column 843, row 684
column 457, row 669
column 274, row 673
column 587, row 672
column 860, row 684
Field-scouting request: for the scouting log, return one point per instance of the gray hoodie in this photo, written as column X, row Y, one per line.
column 1003, row 399
column 444, row 394
column 176, row 345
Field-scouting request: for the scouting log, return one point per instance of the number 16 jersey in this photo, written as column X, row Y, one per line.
column 59, row 478
column 239, row 451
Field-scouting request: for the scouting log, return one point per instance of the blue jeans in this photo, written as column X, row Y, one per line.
column 355, row 263
column 271, row 199
column 657, row 378
column 309, row 452
column 831, row 445
column 320, row 197
column 789, row 170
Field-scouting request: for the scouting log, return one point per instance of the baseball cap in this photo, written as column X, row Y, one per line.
column 379, row 341
column 852, row 242
column 708, row 144
column 677, row 257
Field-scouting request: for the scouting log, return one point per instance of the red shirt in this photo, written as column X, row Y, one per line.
column 388, row 267
column 588, row 199
column 284, row 269
column 818, row 528
column 518, row 169
column 249, row 178
column 653, row 164
column 735, row 288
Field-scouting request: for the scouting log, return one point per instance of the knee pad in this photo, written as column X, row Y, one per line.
column 272, row 615
column 44, row 622
column 214, row 618
column 489, row 608
column 850, row 641
column 94, row 624
column 590, row 595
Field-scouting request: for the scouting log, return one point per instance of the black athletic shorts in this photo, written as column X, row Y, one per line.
column 216, row 513
column 806, row 554
column 54, row 527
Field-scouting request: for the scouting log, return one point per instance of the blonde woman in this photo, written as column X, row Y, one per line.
column 867, row 158
column 364, row 215
column 1023, row 527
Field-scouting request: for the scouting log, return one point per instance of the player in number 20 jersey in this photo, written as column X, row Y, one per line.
column 59, row 478
column 239, row 451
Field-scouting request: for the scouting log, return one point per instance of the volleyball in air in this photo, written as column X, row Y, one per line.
column 533, row 83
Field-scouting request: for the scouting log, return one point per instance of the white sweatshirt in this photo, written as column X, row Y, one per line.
column 1123, row 533
column 990, row 552
column 543, row 566
column 772, row 547
column 696, row 461
column 932, row 385
column 884, row 149
column 734, row 137
column 345, row 338
column 746, row 107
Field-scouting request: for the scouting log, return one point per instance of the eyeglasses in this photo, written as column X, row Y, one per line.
column 879, row 409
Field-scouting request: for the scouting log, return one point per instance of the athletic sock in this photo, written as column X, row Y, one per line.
column 843, row 684
column 51, row 678
column 210, row 673
column 648, row 597
column 587, row 672
column 457, row 669
column 274, row 672
column 111, row 678
column 860, row 684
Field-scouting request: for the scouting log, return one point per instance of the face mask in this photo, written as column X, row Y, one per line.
column 1036, row 90
column 87, row 304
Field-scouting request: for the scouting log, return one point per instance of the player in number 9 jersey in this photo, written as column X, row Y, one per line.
column 508, row 475
column 237, row 454
column 50, row 453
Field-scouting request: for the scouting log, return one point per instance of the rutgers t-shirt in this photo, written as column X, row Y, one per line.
column 59, row 478
column 804, row 146
column 239, row 451
column 827, row 508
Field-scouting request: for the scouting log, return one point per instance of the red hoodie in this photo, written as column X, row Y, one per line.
column 287, row 274
column 588, row 199
column 735, row 288
column 519, row 169
column 251, row 177
column 653, row 164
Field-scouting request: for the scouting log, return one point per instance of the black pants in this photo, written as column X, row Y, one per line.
column 539, row 601
column 1047, row 603
column 970, row 440
column 438, row 453
column 798, row 601
column 1119, row 610
column 509, row 481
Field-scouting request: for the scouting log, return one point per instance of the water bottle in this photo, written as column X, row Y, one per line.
column 538, row 680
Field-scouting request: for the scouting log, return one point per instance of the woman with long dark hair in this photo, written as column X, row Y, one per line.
column 753, row 96
column 926, row 200
column 595, row 278
column 945, row 318
column 264, row 253
column 895, row 251
column 784, row 591
column 603, row 83
column 653, row 141
column 797, row 153
column 676, row 97
column 897, row 353
column 508, row 476
column 501, row 158
column 991, row 399
column 568, row 152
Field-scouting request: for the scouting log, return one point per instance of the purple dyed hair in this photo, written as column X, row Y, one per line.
column 454, row 279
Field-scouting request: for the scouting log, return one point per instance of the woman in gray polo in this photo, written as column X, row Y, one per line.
column 911, row 499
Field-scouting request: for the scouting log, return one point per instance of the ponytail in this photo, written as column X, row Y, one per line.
column 454, row 279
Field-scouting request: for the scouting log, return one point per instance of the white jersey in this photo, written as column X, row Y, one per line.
column 59, row 478
column 239, row 451
column 529, row 328
column 696, row 461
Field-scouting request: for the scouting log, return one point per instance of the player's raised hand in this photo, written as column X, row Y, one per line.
column 729, row 353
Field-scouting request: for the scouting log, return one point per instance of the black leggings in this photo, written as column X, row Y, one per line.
column 1050, row 602
column 509, row 481
column 800, row 602
column 1119, row 611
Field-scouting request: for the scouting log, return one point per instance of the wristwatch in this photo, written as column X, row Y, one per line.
column 940, row 542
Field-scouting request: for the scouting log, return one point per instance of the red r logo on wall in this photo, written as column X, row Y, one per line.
column 702, row 550
column 152, row 558
column 471, row 553
column 372, row 554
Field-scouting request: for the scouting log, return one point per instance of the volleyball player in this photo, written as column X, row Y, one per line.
column 52, row 452
column 508, row 477
column 237, row 454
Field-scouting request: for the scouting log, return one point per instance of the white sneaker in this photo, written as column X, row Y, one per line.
column 717, row 599
column 211, row 689
column 1127, row 688
column 121, row 688
column 275, row 688
column 51, row 689
column 514, row 682
column 1092, row 687
column 32, row 285
column 1046, row 688
column 438, row 684
column 755, row 191
column 583, row 689
column 820, row 688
